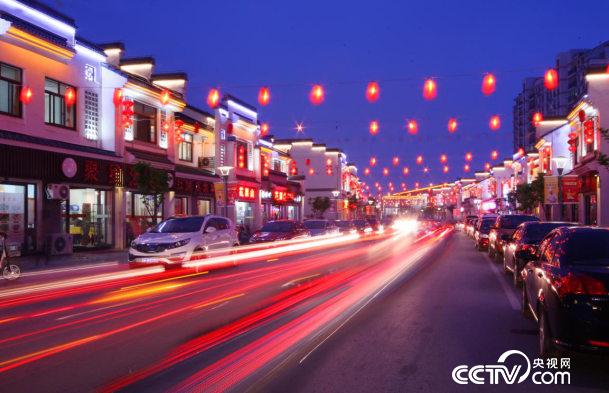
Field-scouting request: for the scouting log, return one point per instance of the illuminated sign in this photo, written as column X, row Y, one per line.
column 244, row 192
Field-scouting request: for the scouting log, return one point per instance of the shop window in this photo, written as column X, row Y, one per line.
column 89, row 214
column 91, row 115
column 56, row 111
column 139, row 218
column 144, row 122
column 185, row 148
column 181, row 206
column 10, row 89
column 203, row 207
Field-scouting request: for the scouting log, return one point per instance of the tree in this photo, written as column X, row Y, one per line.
column 530, row 195
column 152, row 183
column 320, row 205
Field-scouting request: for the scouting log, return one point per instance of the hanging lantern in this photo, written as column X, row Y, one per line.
column 403, row 185
column 419, row 160
column 430, row 89
column 396, row 161
column 229, row 127
column 329, row 161
column 537, row 118
column 466, row 167
column 413, row 127
column 445, row 169
column 452, row 125
column 117, row 98
column 264, row 96
column 416, row 185
column 494, row 123
column 366, row 171
column 70, row 96
column 487, row 166
column 581, row 115
column 308, row 162
column 494, row 154
column 550, row 79
column 374, row 127
column 405, row 170
column 164, row 97
column 317, row 95
column 311, row 171
column 488, row 84
column 425, row 170
column 468, row 156
column 213, row 98
column 589, row 131
column 264, row 129
column 443, row 158
column 372, row 161
column 521, row 151
column 373, row 92
column 26, row 95
column 385, row 171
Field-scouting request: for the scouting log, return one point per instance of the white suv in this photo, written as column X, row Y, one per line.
column 180, row 239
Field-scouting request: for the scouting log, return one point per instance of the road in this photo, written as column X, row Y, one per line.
column 391, row 312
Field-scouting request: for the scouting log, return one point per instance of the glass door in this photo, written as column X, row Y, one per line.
column 13, row 216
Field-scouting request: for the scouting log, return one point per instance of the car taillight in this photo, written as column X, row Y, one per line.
column 579, row 284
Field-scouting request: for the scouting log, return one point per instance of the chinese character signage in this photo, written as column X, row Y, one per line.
column 570, row 189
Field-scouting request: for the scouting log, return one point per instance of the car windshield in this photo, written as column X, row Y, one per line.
column 588, row 248
column 512, row 222
column 343, row 224
column 534, row 233
column 314, row 224
column 277, row 226
column 180, row 225
column 485, row 225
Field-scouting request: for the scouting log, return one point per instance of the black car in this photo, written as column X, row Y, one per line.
column 565, row 290
column 502, row 231
column 522, row 246
column 362, row 227
column 483, row 228
column 345, row 226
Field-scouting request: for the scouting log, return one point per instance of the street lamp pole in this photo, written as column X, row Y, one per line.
column 335, row 194
column 224, row 172
column 560, row 163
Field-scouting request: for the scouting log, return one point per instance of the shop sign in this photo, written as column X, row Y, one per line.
column 245, row 192
column 571, row 186
column 266, row 194
column 550, row 191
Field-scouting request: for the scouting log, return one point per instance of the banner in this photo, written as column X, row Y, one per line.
column 571, row 186
column 550, row 188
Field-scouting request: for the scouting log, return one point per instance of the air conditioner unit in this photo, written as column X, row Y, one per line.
column 59, row 244
column 58, row 191
column 207, row 163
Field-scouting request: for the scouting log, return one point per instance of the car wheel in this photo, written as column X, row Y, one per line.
column 546, row 347
column 524, row 304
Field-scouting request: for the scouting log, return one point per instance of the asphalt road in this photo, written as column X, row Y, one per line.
column 207, row 328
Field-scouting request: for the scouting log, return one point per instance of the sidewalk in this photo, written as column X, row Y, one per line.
column 41, row 261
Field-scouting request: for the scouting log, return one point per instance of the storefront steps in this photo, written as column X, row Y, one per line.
column 82, row 258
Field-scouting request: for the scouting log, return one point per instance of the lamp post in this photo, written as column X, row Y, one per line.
column 560, row 163
column 335, row 194
column 224, row 172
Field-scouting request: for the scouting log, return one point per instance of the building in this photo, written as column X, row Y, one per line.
column 534, row 97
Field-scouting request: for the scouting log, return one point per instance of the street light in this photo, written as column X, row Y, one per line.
column 335, row 194
column 560, row 162
column 224, row 172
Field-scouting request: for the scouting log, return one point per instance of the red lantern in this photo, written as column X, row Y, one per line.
column 366, row 171
column 118, row 97
column 372, row 161
column 488, row 84
column 550, row 79
column 445, row 169
column 494, row 123
column 494, row 155
column 581, row 115
column 329, row 161
column 373, row 92
column 264, row 96
column 213, row 98
column 264, row 129
column 589, row 131
column 26, row 95
column 452, row 125
column 229, row 127
column 487, row 166
column 317, row 95
column 466, row 167
column 164, row 97
column 521, row 151
column 374, row 127
column 396, row 161
column 443, row 158
column 413, row 127
column 127, row 113
column 419, row 160
column 430, row 89
column 70, row 96
column 425, row 170
column 308, row 162
column 385, row 171
column 311, row 171
column 405, row 170
column 416, row 185
column 537, row 118
column 468, row 156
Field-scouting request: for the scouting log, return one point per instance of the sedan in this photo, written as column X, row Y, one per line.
column 321, row 227
column 565, row 290
column 481, row 233
column 502, row 231
column 280, row 230
column 522, row 246
column 346, row 226
column 363, row 227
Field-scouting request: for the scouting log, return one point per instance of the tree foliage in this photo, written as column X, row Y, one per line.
column 320, row 205
column 528, row 196
column 152, row 183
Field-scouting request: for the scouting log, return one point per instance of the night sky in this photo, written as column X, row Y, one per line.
column 287, row 45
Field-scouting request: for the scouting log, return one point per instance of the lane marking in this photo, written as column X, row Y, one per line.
column 509, row 293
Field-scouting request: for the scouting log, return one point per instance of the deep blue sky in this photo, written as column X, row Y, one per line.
column 289, row 45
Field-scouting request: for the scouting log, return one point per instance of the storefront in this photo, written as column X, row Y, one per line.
column 193, row 197
column 589, row 191
column 18, row 216
column 281, row 202
column 88, row 213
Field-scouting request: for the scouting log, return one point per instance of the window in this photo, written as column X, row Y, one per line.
column 91, row 115
column 56, row 112
column 10, row 89
column 144, row 122
column 185, row 148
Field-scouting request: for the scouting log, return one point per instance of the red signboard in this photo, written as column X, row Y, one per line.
column 571, row 187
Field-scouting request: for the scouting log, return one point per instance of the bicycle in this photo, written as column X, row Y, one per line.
column 10, row 271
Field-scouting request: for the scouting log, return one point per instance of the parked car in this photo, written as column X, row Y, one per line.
column 363, row 227
column 280, row 230
column 321, row 227
column 463, row 223
column 566, row 290
column 470, row 225
column 179, row 239
column 346, row 226
column 482, row 230
column 502, row 231
column 522, row 246
column 375, row 224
